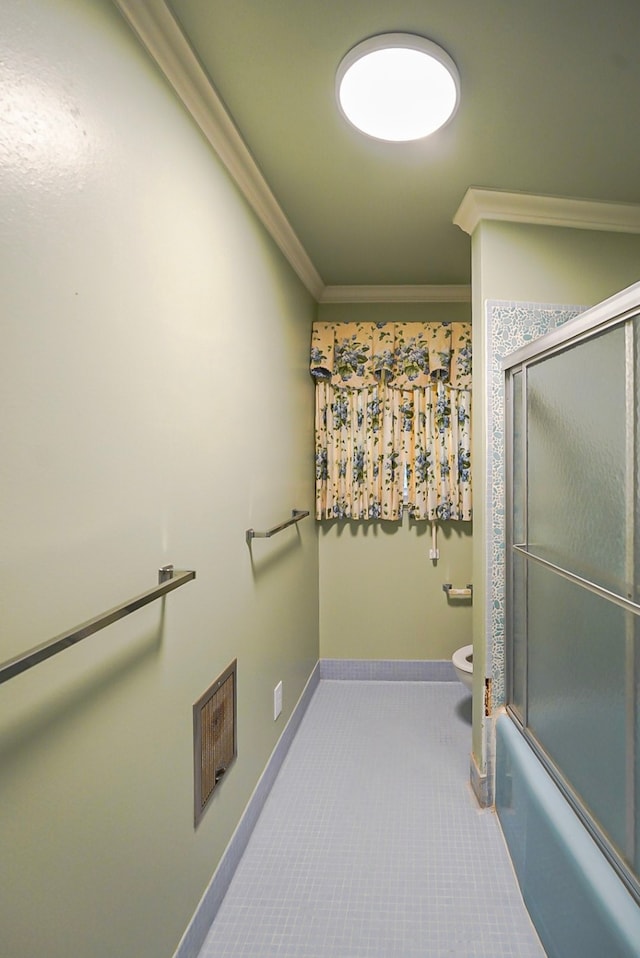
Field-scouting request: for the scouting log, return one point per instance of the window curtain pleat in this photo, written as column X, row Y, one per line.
column 380, row 447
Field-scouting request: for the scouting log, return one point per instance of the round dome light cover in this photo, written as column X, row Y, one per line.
column 398, row 87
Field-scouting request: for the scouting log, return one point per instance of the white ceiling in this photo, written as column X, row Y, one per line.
column 550, row 92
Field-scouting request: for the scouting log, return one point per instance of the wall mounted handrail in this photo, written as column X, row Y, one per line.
column 168, row 580
column 296, row 516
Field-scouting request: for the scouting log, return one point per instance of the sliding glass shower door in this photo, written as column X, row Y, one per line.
column 572, row 554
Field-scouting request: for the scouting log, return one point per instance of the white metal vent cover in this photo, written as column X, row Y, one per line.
column 214, row 737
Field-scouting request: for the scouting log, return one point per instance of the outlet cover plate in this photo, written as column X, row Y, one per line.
column 277, row 701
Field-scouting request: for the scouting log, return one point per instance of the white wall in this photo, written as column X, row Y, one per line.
column 156, row 403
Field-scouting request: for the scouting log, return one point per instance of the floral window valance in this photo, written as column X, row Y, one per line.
column 404, row 355
column 393, row 420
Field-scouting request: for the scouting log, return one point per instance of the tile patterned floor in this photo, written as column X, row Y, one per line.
column 371, row 843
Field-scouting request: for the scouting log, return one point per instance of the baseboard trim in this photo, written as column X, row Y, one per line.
column 388, row 670
column 479, row 783
column 191, row 943
column 483, row 783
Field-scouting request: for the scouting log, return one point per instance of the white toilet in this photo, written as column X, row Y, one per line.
column 463, row 664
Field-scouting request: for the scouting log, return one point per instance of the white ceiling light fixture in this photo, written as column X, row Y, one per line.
column 398, row 87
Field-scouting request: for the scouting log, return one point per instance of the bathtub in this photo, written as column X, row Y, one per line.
column 577, row 902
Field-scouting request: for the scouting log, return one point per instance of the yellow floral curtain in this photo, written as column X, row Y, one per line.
column 393, row 420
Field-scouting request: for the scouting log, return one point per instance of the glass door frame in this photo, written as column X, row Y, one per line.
column 616, row 311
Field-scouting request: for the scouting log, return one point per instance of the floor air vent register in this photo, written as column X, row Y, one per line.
column 214, row 737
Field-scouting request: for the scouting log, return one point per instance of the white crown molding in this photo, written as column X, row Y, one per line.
column 157, row 29
column 483, row 204
column 396, row 294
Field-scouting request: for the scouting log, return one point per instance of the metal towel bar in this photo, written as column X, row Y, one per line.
column 296, row 516
column 168, row 580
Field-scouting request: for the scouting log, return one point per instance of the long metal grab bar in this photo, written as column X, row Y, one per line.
column 296, row 516
column 168, row 580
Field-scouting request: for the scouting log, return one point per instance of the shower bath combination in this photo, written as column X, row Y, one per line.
column 573, row 627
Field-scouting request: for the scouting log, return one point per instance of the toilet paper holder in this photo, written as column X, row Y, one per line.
column 466, row 593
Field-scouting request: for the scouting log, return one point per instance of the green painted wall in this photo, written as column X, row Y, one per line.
column 546, row 264
column 531, row 264
column 394, row 312
column 380, row 595
column 146, row 316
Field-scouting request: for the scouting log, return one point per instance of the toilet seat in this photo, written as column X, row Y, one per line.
column 463, row 658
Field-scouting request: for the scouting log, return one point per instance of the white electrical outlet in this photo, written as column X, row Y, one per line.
column 277, row 701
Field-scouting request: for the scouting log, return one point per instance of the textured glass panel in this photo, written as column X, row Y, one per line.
column 577, row 505
column 635, row 654
column 576, row 692
column 518, row 645
column 518, row 447
column 635, row 708
column 633, row 330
